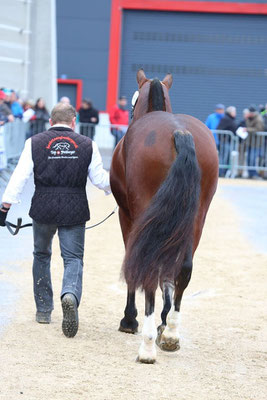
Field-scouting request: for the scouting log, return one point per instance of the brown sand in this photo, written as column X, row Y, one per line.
column 224, row 340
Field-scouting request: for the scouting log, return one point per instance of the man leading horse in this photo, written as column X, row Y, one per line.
column 60, row 160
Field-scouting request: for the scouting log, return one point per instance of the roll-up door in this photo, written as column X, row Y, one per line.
column 214, row 58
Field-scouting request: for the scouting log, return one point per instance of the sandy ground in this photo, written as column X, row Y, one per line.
column 224, row 339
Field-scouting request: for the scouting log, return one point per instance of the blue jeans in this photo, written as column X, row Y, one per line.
column 71, row 240
column 224, row 157
column 253, row 153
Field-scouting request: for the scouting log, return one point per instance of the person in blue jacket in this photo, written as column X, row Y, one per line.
column 16, row 107
column 214, row 119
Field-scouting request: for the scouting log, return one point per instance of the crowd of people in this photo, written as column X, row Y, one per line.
column 254, row 120
column 37, row 116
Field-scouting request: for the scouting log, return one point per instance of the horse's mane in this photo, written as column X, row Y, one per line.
column 156, row 100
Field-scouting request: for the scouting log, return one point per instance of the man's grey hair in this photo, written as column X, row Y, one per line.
column 231, row 109
column 63, row 113
column 245, row 111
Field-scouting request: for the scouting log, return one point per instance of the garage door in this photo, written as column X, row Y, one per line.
column 214, row 58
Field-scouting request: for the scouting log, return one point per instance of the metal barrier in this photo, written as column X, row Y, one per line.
column 105, row 135
column 3, row 159
column 14, row 136
column 237, row 157
column 242, row 157
column 226, row 149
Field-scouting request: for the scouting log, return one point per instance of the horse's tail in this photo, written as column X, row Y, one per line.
column 162, row 234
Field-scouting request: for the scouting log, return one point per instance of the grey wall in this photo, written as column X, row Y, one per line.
column 83, row 44
column 43, row 61
column 28, row 48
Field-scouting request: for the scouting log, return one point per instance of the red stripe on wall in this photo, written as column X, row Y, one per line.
column 195, row 6
column 114, row 54
column 160, row 5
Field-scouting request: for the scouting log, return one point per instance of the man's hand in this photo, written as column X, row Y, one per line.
column 3, row 213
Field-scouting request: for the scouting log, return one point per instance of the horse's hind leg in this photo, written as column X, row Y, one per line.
column 147, row 351
column 129, row 323
column 167, row 288
column 170, row 337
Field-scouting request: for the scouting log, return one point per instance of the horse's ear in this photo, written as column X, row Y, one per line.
column 141, row 77
column 167, row 81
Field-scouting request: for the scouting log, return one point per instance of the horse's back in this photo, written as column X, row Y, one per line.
column 147, row 151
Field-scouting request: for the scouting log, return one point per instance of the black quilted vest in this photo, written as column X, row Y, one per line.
column 61, row 159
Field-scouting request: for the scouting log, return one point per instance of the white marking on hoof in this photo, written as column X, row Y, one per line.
column 147, row 351
column 170, row 337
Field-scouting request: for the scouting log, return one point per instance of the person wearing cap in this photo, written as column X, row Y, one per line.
column 254, row 123
column 214, row 119
column 5, row 112
column 119, row 115
column 89, row 116
column 60, row 160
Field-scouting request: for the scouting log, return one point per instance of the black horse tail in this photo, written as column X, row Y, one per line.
column 164, row 232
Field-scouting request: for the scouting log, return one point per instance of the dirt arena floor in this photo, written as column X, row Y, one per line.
column 224, row 339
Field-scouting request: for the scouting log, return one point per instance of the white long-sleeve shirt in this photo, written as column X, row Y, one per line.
column 97, row 175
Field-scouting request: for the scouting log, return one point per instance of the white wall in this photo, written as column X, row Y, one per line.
column 28, row 48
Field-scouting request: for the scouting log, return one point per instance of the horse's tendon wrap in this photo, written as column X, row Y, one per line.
column 163, row 233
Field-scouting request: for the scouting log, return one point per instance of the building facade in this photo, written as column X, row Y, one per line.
column 28, row 61
column 216, row 51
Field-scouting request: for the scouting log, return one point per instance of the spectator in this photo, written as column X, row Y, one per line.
column 28, row 112
column 243, row 122
column 242, row 136
column 28, row 115
column 65, row 100
column 41, row 117
column 16, row 108
column 214, row 119
column 254, row 123
column 88, row 115
column 227, row 123
column 264, row 116
column 5, row 112
column 7, row 98
column 119, row 115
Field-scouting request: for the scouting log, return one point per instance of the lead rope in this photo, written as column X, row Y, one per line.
column 103, row 220
column 19, row 225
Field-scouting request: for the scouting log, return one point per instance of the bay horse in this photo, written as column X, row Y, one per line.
column 164, row 174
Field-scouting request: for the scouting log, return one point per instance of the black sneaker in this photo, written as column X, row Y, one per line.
column 70, row 321
column 43, row 317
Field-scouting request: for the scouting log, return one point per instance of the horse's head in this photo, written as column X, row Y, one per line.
column 152, row 95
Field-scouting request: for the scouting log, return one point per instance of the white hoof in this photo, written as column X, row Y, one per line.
column 147, row 353
column 170, row 337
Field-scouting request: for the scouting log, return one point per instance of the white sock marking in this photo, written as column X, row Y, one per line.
column 147, row 350
column 172, row 329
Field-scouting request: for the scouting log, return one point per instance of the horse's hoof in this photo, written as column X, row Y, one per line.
column 160, row 331
column 128, row 327
column 169, row 344
column 145, row 360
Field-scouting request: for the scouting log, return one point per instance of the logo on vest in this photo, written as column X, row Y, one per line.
column 62, row 147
